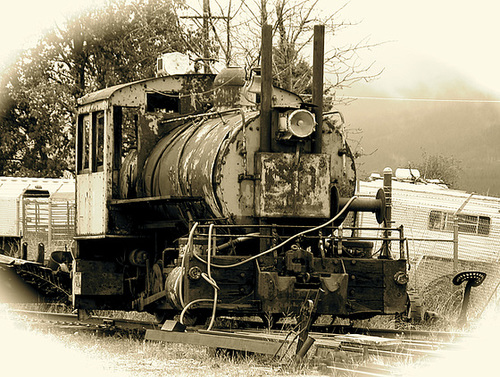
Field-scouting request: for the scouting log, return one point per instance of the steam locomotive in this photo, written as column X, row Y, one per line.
column 223, row 195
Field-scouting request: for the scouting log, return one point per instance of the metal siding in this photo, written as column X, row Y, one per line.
column 412, row 204
column 9, row 220
column 91, row 204
column 12, row 189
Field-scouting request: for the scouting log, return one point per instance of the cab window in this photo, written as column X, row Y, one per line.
column 90, row 148
column 98, row 141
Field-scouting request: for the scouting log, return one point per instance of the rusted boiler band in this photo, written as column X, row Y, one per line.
column 186, row 163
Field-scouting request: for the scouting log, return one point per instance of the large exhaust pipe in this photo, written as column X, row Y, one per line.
column 266, row 91
column 317, row 89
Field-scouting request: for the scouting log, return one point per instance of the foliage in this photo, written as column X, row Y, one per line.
column 236, row 26
column 119, row 43
column 96, row 49
column 438, row 166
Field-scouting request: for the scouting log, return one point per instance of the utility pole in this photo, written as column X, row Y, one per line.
column 205, row 29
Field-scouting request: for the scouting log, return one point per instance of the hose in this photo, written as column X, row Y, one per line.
column 183, row 263
column 282, row 243
column 209, row 279
column 208, row 275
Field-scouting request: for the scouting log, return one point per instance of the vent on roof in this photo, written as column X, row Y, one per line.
column 32, row 193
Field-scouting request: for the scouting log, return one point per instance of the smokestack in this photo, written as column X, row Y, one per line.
column 266, row 91
column 317, row 90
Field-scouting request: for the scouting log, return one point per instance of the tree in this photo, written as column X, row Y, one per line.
column 293, row 22
column 437, row 166
column 120, row 43
column 96, row 49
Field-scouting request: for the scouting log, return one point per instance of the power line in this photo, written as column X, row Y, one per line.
column 422, row 99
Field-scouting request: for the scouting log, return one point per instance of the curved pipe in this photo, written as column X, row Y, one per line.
column 376, row 205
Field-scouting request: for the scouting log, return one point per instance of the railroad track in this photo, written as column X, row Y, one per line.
column 338, row 349
column 406, row 335
column 92, row 322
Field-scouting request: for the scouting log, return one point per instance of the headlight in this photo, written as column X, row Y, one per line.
column 299, row 123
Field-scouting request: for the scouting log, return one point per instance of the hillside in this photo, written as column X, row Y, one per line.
column 395, row 133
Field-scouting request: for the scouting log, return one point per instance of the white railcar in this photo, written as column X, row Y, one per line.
column 36, row 211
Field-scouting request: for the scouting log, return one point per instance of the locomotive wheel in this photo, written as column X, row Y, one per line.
column 156, row 285
column 162, row 315
column 156, row 281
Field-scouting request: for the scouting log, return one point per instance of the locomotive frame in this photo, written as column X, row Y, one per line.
column 239, row 210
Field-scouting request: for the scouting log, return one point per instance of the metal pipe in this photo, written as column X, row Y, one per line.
column 455, row 244
column 376, row 205
column 266, row 88
column 388, row 196
column 386, row 247
column 455, row 233
column 462, row 318
column 362, row 204
column 317, row 89
column 24, row 254
column 206, row 20
column 41, row 253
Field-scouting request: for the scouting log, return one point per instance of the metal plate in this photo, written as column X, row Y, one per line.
column 294, row 185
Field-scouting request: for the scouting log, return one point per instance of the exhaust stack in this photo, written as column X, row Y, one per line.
column 266, row 91
column 317, row 90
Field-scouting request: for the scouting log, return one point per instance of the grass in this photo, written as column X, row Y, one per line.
column 128, row 355
column 145, row 358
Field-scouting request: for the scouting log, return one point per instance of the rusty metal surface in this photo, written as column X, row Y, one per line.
column 91, row 211
column 132, row 94
column 294, row 185
column 266, row 345
column 96, row 278
column 185, row 162
column 278, row 292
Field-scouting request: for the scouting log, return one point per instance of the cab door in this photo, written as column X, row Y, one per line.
column 91, row 177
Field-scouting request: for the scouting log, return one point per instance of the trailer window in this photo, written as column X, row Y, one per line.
column 467, row 224
column 484, row 225
column 436, row 219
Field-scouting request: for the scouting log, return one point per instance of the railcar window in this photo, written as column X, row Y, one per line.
column 125, row 122
column 468, row 224
column 98, row 141
column 83, row 153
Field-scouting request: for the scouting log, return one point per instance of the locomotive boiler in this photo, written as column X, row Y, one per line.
column 223, row 195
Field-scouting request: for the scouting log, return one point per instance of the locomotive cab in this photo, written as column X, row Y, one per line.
column 113, row 125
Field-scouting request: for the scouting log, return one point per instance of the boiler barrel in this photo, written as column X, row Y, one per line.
column 186, row 161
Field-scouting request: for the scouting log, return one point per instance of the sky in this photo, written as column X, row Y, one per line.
column 427, row 38
column 23, row 22
column 445, row 35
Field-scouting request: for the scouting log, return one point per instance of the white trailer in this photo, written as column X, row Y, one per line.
column 429, row 213
column 36, row 211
